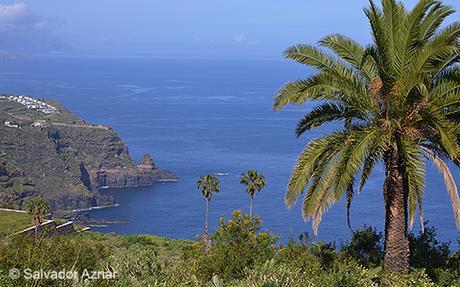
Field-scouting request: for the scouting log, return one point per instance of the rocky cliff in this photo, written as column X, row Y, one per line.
column 144, row 174
column 46, row 150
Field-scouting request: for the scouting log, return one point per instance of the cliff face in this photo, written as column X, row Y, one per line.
column 144, row 174
column 53, row 153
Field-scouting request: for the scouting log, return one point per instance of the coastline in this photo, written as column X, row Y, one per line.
column 94, row 208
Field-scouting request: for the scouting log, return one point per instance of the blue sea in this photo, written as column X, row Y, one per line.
column 200, row 116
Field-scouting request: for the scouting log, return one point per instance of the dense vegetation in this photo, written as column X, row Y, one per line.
column 239, row 255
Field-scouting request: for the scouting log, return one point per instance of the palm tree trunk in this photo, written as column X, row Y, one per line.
column 36, row 231
column 396, row 254
column 206, row 236
column 206, row 220
column 250, row 206
column 37, row 222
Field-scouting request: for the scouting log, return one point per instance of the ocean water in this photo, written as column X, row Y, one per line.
column 204, row 116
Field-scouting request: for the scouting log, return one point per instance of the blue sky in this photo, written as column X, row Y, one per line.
column 214, row 28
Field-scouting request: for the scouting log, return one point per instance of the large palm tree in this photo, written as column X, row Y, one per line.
column 208, row 184
column 37, row 208
column 254, row 182
column 398, row 100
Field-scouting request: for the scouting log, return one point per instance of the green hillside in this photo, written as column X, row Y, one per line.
column 75, row 158
column 11, row 222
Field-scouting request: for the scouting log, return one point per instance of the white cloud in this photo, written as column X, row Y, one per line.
column 243, row 39
column 42, row 25
column 22, row 30
column 240, row 37
column 12, row 11
column 17, row 17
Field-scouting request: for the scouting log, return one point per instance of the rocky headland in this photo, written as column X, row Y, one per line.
column 46, row 150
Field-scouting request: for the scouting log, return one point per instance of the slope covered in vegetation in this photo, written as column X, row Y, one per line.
column 240, row 255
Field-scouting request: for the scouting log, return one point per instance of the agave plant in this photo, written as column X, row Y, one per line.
column 398, row 100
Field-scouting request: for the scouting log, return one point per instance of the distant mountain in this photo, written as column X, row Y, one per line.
column 38, row 44
column 46, row 150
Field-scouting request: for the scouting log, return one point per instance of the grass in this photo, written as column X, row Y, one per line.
column 235, row 257
column 11, row 222
column 165, row 247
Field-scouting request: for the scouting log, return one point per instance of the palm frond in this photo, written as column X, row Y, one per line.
column 348, row 81
column 433, row 20
column 208, row 184
column 325, row 113
column 414, row 176
column 433, row 120
column 393, row 17
column 317, row 87
column 253, row 180
column 412, row 29
column 380, row 50
column 353, row 156
column 350, row 51
column 374, row 154
column 449, row 182
column 314, row 154
column 318, row 198
column 349, row 198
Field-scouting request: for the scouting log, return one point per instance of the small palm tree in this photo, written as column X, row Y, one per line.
column 37, row 208
column 208, row 184
column 397, row 100
column 255, row 182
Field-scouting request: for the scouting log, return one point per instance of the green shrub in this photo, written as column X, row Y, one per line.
column 416, row 278
column 365, row 246
column 428, row 253
column 304, row 252
column 236, row 244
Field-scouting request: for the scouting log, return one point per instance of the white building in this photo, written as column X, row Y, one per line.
column 10, row 125
column 32, row 104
